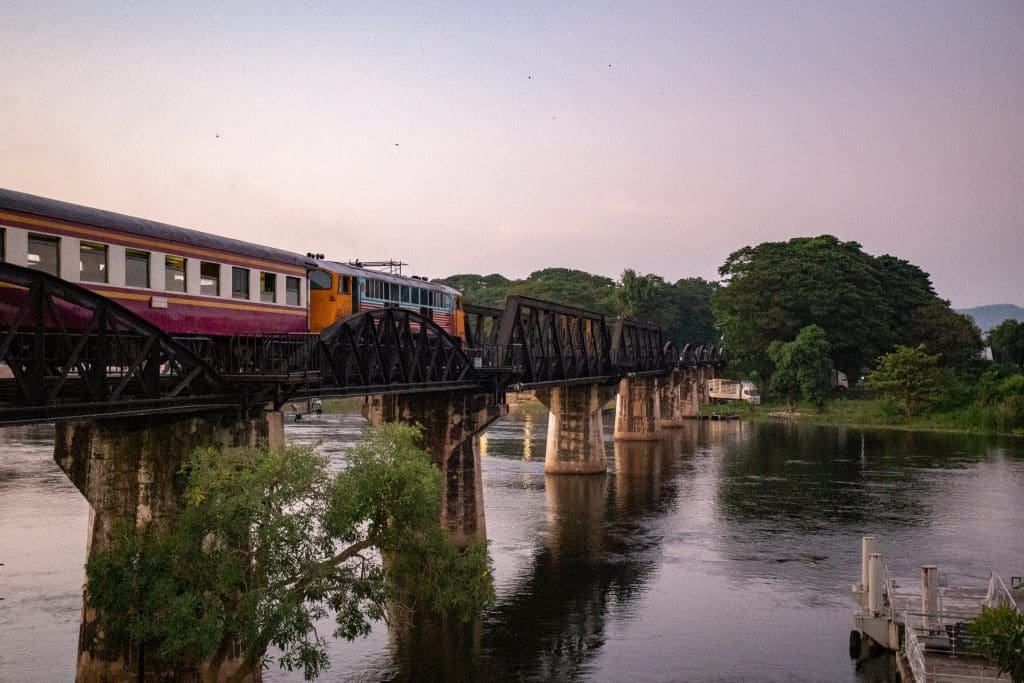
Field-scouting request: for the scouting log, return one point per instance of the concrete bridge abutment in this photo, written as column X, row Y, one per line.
column 451, row 421
column 129, row 470
column 637, row 409
column 575, row 442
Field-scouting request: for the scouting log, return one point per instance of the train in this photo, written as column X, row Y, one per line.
column 192, row 283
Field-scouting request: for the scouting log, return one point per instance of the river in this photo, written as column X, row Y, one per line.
column 725, row 551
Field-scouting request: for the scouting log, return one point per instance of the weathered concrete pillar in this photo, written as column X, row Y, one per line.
column 668, row 402
column 876, row 584
column 679, row 398
column 129, row 471
column 575, row 429
column 637, row 409
column 450, row 421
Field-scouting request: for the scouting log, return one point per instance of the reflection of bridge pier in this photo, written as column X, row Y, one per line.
column 450, row 420
column 128, row 470
column 576, row 510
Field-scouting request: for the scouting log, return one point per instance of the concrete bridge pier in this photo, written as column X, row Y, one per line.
column 679, row 400
column 637, row 409
column 450, row 420
column 575, row 429
column 693, row 388
column 129, row 471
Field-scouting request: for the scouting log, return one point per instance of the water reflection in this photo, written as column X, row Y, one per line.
column 724, row 551
column 598, row 551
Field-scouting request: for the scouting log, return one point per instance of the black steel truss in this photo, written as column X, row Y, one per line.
column 542, row 342
column 389, row 347
column 74, row 353
column 70, row 352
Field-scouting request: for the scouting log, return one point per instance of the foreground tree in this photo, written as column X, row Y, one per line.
column 908, row 376
column 802, row 367
column 270, row 542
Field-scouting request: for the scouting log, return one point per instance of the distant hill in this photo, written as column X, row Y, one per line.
column 987, row 317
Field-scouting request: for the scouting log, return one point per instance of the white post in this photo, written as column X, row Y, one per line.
column 930, row 596
column 876, row 585
column 867, row 547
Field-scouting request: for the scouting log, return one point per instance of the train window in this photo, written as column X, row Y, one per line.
column 136, row 268
column 318, row 279
column 405, row 294
column 92, row 262
column 239, row 283
column 414, row 295
column 268, row 287
column 292, row 291
column 44, row 253
column 209, row 278
column 174, row 273
column 3, row 244
column 344, row 284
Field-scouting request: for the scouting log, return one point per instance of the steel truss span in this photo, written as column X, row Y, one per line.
column 389, row 347
column 72, row 353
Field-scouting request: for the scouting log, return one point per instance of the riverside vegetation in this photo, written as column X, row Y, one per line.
column 788, row 313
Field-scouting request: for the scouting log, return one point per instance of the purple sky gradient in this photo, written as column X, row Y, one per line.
column 467, row 138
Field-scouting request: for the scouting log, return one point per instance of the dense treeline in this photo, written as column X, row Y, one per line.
column 682, row 309
column 865, row 304
column 789, row 309
column 789, row 312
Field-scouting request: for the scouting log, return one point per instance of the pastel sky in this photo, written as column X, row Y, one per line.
column 511, row 136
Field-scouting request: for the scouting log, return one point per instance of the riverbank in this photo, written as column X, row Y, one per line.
column 863, row 412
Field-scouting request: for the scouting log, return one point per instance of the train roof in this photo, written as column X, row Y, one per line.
column 349, row 269
column 51, row 208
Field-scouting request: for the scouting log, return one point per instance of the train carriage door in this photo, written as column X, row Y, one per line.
column 346, row 297
column 460, row 318
column 358, row 291
column 322, row 301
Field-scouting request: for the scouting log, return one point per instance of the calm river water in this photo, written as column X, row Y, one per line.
column 724, row 552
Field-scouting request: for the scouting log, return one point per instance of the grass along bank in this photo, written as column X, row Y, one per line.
column 874, row 412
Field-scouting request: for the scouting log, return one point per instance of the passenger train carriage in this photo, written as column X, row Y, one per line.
column 193, row 283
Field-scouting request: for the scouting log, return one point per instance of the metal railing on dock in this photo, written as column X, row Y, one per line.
column 928, row 630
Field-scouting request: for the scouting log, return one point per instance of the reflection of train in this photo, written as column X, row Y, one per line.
column 188, row 282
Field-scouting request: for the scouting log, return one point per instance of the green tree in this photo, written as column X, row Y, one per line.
column 802, row 367
column 482, row 290
column 571, row 288
column 865, row 304
column 909, row 376
column 998, row 634
column 694, row 321
column 1007, row 342
column 682, row 310
column 943, row 331
column 269, row 542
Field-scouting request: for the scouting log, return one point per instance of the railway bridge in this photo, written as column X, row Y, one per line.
column 130, row 401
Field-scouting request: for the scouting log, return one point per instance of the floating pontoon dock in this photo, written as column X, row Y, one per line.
column 927, row 630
